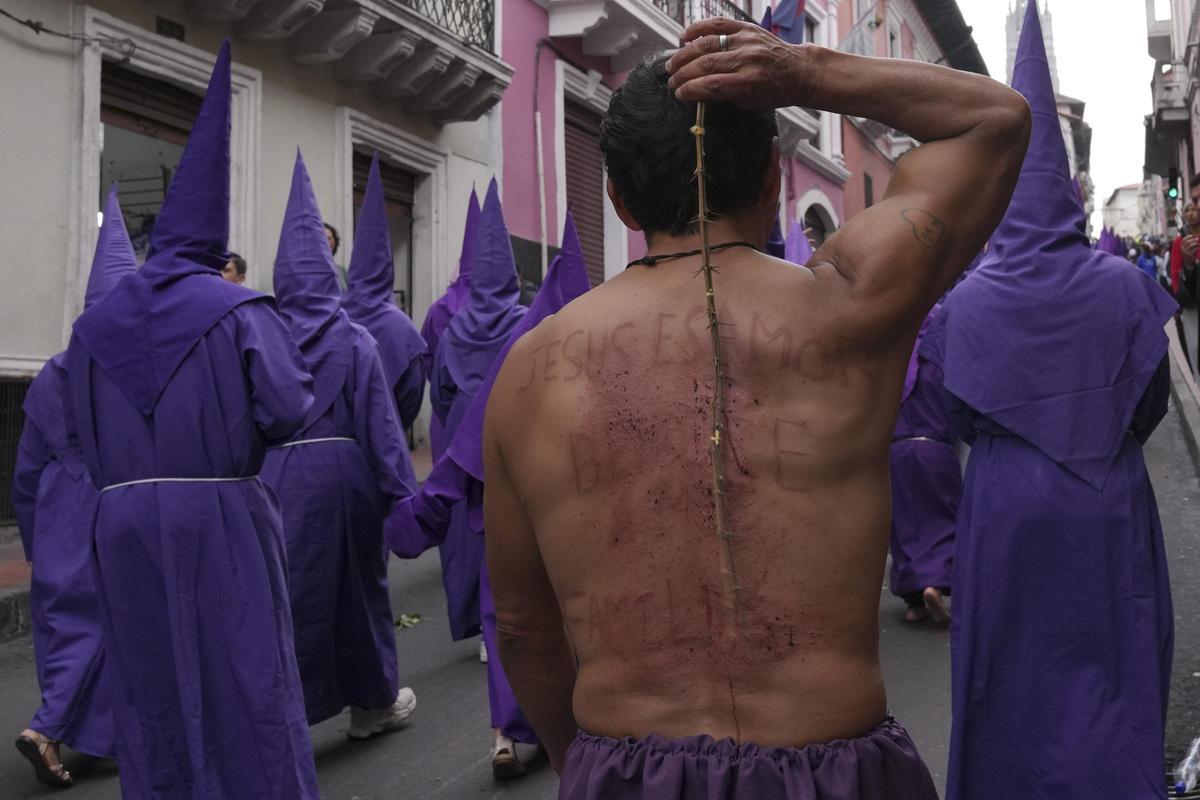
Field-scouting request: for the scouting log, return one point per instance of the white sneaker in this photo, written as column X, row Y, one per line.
column 368, row 722
column 505, row 763
column 482, row 651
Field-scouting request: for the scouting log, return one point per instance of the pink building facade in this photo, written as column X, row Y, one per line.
column 567, row 58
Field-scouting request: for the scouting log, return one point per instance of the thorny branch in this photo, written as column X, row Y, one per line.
column 729, row 580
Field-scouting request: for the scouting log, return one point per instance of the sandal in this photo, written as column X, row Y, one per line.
column 37, row 748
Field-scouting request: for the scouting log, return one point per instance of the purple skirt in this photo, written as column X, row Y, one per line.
column 881, row 765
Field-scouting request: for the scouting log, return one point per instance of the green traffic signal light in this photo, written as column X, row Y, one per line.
column 1173, row 193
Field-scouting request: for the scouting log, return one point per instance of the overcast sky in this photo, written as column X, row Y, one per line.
column 1102, row 60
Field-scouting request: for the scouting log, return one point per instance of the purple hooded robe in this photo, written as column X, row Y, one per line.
column 444, row 309
column 54, row 501
column 423, row 521
column 336, row 479
column 1061, row 639
column 369, row 302
column 468, row 349
column 926, row 480
column 178, row 380
column 797, row 249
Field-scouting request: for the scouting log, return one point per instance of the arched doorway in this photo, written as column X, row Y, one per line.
column 819, row 224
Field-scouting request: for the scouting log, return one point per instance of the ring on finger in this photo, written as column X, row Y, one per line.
column 723, row 42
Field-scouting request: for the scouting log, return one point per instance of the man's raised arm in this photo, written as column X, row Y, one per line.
column 944, row 198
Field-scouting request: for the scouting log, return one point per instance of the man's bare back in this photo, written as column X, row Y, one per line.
column 618, row 487
column 600, row 511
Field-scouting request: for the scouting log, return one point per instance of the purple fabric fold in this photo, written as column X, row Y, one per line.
column 881, row 765
column 797, row 249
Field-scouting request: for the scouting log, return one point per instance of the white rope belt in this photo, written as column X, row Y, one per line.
column 314, row 441
column 178, row 480
column 919, row 439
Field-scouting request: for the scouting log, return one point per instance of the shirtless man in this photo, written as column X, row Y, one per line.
column 600, row 519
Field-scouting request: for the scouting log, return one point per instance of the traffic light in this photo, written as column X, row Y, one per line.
column 1173, row 184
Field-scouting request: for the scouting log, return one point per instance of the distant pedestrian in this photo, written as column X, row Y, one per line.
column 1147, row 263
column 234, row 270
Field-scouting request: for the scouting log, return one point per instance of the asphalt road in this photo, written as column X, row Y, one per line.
column 444, row 753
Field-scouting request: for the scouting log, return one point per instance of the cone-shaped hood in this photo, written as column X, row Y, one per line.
column 571, row 274
column 797, row 250
column 369, row 297
column 306, row 287
column 775, row 243
column 445, row 307
column 195, row 214
column 1049, row 339
column 306, row 290
column 114, row 258
column 460, row 288
column 566, row 279
column 478, row 332
column 1045, row 211
column 768, row 20
column 148, row 324
column 371, row 277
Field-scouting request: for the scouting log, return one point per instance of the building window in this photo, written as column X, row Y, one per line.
column 868, row 191
column 12, row 420
column 810, row 29
column 861, row 7
column 144, row 125
column 585, row 183
column 399, row 190
column 894, row 44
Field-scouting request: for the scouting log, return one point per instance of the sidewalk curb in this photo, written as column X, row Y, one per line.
column 14, row 612
column 1185, row 395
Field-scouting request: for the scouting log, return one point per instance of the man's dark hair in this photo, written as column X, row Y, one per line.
column 337, row 240
column 650, row 152
column 239, row 263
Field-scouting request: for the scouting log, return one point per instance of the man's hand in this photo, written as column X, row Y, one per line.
column 1189, row 245
column 757, row 70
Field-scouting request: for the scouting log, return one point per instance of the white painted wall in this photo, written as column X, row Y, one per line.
column 40, row 129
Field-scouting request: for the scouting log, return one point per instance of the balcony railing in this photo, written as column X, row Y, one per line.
column 685, row 12
column 473, row 21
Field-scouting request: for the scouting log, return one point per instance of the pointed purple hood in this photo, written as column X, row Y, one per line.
column 370, row 295
column 148, row 324
column 1048, row 338
column 306, row 291
column 566, row 279
column 797, row 249
column 459, row 291
column 478, row 331
column 114, row 258
column 455, row 297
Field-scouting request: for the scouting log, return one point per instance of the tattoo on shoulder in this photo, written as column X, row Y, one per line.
column 927, row 229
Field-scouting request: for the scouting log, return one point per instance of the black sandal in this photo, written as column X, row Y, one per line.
column 34, row 748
